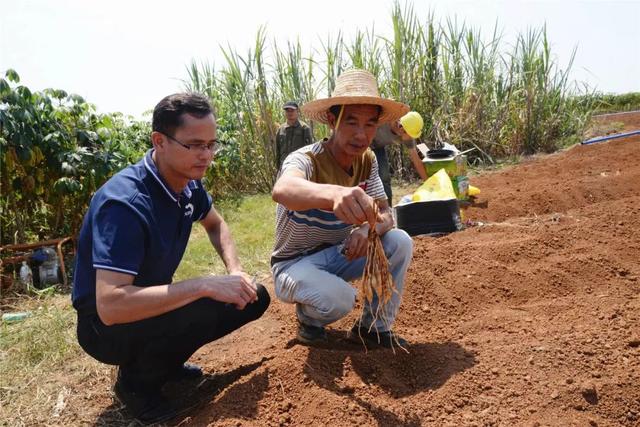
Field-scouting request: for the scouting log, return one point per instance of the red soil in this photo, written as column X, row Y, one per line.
column 531, row 317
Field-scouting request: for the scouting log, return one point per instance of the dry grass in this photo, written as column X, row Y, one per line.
column 600, row 128
column 32, row 355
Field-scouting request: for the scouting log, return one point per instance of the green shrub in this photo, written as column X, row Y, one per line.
column 56, row 151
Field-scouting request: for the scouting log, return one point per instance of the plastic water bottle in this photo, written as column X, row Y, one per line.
column 15, row 317
column 26, row 276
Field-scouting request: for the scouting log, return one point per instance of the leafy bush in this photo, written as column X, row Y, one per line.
column 56, row 151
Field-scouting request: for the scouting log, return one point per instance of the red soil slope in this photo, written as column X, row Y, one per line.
column 531, row 317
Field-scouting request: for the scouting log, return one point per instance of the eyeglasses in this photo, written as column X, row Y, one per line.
column 210, row 146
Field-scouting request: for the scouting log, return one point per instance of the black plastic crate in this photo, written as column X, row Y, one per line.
column 434, row 217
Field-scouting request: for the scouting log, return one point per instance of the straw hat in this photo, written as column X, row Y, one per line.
column 355, row 87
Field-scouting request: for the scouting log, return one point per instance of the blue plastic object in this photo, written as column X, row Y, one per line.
column 608, row 137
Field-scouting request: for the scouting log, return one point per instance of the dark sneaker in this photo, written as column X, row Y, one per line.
column 146, row 407
column 311, row 335
column 187, row 371
column 386, row 339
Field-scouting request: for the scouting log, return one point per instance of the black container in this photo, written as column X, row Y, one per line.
column 435, row 217
column 440, row 154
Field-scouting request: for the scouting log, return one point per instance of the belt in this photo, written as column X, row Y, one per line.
column 275, row 259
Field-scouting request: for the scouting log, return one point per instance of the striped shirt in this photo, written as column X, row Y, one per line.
column 300, row 232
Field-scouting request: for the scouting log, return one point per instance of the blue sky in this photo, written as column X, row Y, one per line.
column 126, row 55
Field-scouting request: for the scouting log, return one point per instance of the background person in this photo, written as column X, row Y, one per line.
column 404, row 131
column 293, row 134
column 132, row 240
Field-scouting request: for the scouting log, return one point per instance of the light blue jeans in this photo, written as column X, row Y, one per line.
column 319, row 283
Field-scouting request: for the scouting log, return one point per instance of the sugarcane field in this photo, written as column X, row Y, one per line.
column 359, row 213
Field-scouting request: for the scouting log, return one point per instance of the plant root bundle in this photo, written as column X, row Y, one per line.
column 376, row 280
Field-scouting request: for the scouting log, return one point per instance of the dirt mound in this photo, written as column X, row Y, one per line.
column 531, row 317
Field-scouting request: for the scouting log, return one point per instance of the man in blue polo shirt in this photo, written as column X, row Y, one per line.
column 132, row 239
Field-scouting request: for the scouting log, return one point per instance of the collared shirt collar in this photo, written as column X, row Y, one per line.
column 295, row 125
column 151, row 167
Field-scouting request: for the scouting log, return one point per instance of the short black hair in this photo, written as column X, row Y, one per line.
column 167, row 115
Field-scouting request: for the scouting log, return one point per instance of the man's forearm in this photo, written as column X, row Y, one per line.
column 130, row 303
column 224, row 245
column 299, row 194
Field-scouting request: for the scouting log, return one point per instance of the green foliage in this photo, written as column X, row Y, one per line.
column 476, row 93
column 473, row 90
column 56, row 151
column 611, row 103
column 248, row 95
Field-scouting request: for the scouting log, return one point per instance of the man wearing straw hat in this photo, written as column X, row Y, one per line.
column 326, row 194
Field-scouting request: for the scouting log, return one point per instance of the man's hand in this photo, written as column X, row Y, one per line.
column 236, row 289
column 251, row 280
column 356, row 244
column 353, row 206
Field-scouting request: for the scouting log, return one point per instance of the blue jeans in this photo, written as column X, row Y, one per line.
column 319, row 283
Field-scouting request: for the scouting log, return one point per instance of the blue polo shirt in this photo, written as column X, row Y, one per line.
column 135, row 225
